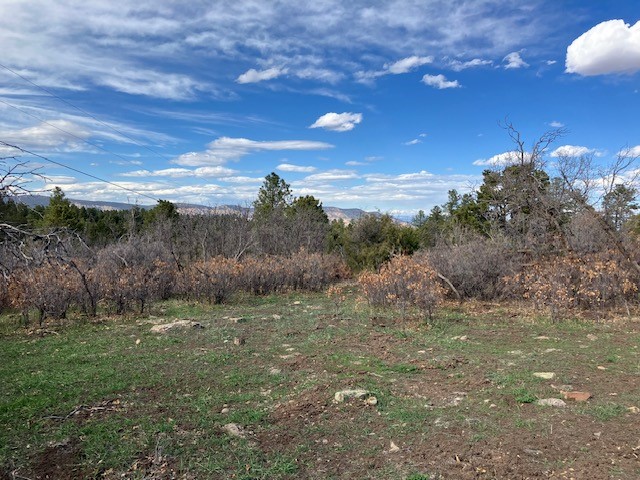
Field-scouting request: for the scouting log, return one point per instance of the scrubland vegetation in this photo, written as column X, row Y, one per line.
column 293, row 307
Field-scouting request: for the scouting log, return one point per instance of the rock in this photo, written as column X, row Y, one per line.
column 551, row 402
column 544, row 375
column 393, row 448
column 600, row 367
column 357, row 393
column 234, row 430
column 275, row 371
column 633, row 409
column 224, row 411
column 238, row 341
column 542, row 337
column 533, row 452
column 164, row 328
column 373, row 401
column 275, row 316
column 576, row 396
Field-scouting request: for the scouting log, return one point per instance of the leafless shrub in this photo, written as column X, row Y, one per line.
column 592, row 281
column 477, row 268
column 403, row 282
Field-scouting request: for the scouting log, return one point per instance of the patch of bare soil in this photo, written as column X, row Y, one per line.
column 58, row 461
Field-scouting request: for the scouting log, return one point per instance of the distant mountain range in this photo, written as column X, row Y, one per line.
column 334, row 213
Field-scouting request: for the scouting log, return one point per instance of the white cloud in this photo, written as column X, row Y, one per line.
column 499, row 160
column 214, row 171
column 288, row 167
column 556, row 124
column 399, row 67
column 254, row 76
column 57, row 135
column 572, row 151
column 551, row 62
column 609, row 47
column 80, row 44
column 415, row 141
column 226, row 149
column 331, row 176
column 407, row 64
column 440, row 82
column 514, row 60
column 458, row 66
column 630, row 152
column 355, row 163
column 338, row 122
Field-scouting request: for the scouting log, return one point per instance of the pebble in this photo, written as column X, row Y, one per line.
column 544, row 375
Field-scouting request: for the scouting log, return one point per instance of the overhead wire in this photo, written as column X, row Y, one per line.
column 66, row 102
column 95, row 177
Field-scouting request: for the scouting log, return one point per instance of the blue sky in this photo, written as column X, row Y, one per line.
column 375, row 105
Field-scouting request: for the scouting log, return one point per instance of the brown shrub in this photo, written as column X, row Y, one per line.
column 403, row 282
column 477, row 268
column 593, row 281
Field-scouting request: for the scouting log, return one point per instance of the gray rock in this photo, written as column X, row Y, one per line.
column 357, row 393
column 234, row 430
column 551, row 402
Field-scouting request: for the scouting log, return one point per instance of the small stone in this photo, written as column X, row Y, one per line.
column 597, row 434
column 600, row 367
column 234, row 430
column 592, row 337
column 533, row 452
column 393, row 448
column 275, row 371
column 633, row 409
column 297, row 302
column 138, row 341
column 544, row 375
column 238, row 341
column 371, row 401
column 357, row 393
column 551, row 402
column 576, row 396
column 224, row 411
column 542, row 337
column 275, row 316
column 493, row 405
column 550, row 350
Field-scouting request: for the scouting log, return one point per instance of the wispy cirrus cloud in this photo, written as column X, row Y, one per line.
column 81, row 45
column 288, row 167
column 458, row 65
column 404, row 65
column 514, row 61
column 254, row 76
column 225, row 149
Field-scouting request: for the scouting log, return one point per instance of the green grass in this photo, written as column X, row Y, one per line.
column 171, row 389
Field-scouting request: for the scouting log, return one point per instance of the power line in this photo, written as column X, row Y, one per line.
column 76, row 170
column 111, row 127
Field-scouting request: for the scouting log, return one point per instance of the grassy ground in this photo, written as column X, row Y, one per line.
column 455, row 399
